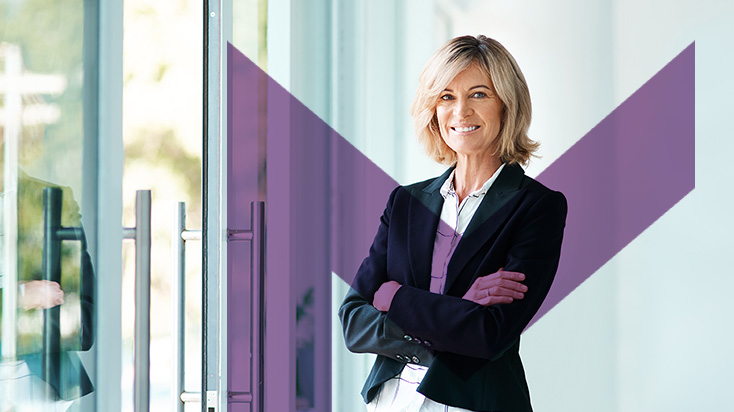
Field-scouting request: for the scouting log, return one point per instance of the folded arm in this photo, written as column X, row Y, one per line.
column 368, row 330
column 463, row 327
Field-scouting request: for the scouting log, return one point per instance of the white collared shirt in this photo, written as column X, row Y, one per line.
column 455, row 218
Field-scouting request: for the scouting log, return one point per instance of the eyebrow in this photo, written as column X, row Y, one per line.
column 480, row 86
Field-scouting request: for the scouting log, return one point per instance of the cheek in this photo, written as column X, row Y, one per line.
column 441, row 116
column 500, row 115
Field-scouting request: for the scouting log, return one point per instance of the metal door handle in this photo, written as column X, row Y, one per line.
column 256, row 237
column 178, row 298
column 141, row 234
column 53, row 235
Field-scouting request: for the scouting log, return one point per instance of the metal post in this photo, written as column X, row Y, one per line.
column 256, row 238
column 214, row 209
column 258, row 305
column 52, row 198
column 142, row 301
column 141, row 234
column 53, row 235
column 179, row 238
column 13, row 106
column 178, row 295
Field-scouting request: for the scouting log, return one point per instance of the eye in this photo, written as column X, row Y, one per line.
column 447, row 97
column 479, row 95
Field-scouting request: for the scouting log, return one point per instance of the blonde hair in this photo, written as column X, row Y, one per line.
column 514, row 145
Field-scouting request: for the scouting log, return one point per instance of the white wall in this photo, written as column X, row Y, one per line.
column 674, row 315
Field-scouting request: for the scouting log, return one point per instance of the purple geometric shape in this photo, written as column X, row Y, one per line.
column 321, row 191
column 618, row 179
column 625, row 173
column 245, row 175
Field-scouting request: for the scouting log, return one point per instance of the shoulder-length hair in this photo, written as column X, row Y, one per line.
column 514, row 145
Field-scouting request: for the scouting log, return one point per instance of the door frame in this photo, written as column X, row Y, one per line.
column 109, row 209
column 217, row 32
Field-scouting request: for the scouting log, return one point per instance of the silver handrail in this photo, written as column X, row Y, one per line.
column 258, row 305
column 178, row 298
column 256, row 237
column 141, row 234
column 181, row 235
column 53, row 235
column 178, row 294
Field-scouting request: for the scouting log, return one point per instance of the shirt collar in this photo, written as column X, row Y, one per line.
column 448, row 185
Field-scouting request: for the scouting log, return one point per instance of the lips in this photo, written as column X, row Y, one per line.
column 464, row 129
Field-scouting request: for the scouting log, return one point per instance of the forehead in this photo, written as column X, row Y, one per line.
column 472, row 76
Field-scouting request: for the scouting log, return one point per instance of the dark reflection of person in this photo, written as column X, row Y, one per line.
column 443, row 304
column 75, row 294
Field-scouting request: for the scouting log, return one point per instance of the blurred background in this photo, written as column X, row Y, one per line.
column 162, row 135
column 648, row 332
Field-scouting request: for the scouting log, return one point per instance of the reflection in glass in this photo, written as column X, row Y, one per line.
column 46, row 273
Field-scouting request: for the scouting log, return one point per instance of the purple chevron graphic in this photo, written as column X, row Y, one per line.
column 625, row 173
column 619, row 179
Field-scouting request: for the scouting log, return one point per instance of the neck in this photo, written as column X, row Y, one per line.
column 472, row 172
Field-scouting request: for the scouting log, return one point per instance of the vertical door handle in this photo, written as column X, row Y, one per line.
column 53, row 235
column 178, row 299
column 52, row 201
column 141, row 234
column 256, row 237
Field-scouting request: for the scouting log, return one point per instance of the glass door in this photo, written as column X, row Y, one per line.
column 60, row 169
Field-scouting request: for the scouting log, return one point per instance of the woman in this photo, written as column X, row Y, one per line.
column 442, row 301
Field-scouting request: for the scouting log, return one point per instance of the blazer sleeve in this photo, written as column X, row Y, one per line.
column 366, row 329
column 455, row 325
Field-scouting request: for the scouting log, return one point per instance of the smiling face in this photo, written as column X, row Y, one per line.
column 469, row 114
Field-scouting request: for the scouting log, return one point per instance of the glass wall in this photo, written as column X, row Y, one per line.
column 48, row 133
column 162, row 118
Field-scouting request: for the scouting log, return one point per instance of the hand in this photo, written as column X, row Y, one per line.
column 499, row 287
column 41, row 294
column 383, row 296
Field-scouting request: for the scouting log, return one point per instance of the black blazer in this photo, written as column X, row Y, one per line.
column 471, row 350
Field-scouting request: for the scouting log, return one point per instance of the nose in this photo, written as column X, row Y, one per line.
column 462, row 108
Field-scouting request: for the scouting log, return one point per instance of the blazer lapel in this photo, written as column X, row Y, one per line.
column 423, row 216
column 497, row 204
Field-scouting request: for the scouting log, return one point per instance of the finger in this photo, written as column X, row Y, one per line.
column 500, row 291
column 511, row 284
column 504, row 274
column 494, row 300
column 500, row 274
column 485, row 281
column 477, row 295
column 488, row 281
column 495, row 275
column 507, row 283
column 502, row 282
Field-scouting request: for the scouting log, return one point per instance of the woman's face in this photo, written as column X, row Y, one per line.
column 469, row 113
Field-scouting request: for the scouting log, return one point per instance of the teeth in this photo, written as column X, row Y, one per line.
column 466, row 129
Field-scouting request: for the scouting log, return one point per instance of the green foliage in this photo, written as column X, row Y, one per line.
column 51, row 37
